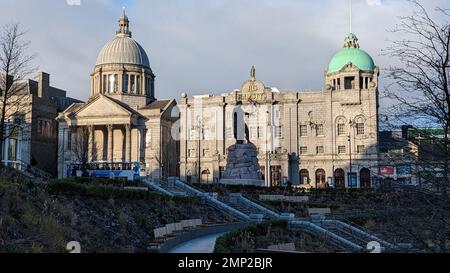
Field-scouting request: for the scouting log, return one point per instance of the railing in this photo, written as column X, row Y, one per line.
column 259, row 207
column 360, row 232
column 212, row 201
column 28, row 170
column 318, row 229
column 157, row 188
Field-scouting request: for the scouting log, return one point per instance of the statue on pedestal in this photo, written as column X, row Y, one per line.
column 242, row 162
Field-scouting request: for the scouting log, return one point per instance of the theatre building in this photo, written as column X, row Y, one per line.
column 310, row 139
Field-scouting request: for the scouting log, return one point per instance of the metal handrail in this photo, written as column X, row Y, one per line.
column 262, row 204
column 26, row 168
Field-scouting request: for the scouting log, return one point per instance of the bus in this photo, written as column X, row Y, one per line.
column 113, row 170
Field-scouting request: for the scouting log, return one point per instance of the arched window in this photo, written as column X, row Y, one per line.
column 339, row 179
column 304, row 177
column 360, row 125
column 364, row 178
column 340, row 124
column 320, row 178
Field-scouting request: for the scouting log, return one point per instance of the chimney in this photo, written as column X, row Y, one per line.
column 43, row 84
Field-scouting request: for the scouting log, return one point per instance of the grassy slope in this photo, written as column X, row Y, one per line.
column 38, row 218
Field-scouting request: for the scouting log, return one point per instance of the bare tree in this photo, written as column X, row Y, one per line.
column 80, row 145
column 15, row 65
column 420, row 84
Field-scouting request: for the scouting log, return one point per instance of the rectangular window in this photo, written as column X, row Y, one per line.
column 253, row 133
column 278, row 132
column 116, row 83
column 341, row 129
column 191, row 153
column 303, row 150
column 109, row 83
column 319, row 130
column 360, row 149
column 319, row 150
column 205, row 152
column 260, row 132
column 125, row 83
column 69, row 140
column 349, row 83
column 105, row 83
column 229, row 133
column 342, row 149
column 132, row 84
column 360, row 128
column 138, row 85
column 303, row 131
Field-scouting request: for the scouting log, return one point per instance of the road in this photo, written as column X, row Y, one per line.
column 200, row 245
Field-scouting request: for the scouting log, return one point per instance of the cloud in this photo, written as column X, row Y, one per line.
column 374, row 2
column 205, row 46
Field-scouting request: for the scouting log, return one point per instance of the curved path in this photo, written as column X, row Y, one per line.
column 203, row 244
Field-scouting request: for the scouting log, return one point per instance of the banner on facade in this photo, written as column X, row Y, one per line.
column 403, row 170
column 387, row 170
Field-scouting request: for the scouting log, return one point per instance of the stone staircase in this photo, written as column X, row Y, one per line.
column 253, row 210
column 344, row 237
column 354, row 234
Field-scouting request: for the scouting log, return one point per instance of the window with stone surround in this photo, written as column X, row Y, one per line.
column 342, row 149
column 319, row 150
column 360, row 149
column 341, row 129
column 319, row 130
column 125, row 83
column 278, row 131
column 303, row 150
column 303, row 131
column 260, row 132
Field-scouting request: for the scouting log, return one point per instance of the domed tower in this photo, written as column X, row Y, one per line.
column 122, row 70
column 351, row 68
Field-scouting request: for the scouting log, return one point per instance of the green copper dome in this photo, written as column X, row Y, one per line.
column 351, row 54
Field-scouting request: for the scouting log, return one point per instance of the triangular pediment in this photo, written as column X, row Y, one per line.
column 102, row 107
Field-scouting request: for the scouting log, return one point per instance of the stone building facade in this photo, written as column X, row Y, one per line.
column 31, row 129
column 310, row 139
column 122, row 119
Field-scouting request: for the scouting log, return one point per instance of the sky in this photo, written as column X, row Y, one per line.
column 206, row 46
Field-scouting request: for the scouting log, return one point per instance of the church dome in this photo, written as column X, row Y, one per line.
column 123, row 49
column 351, row 53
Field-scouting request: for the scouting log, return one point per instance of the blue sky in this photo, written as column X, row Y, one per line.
column 206, row 46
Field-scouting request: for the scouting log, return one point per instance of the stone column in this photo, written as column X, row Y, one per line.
column 128, row 142
column 91, row 140
column 110, row 151
column 142, row 141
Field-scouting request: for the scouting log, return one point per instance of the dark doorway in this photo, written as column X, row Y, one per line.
column 276, row 176
column 320, row 179
column 364, row 178
column 205, row 176
column 339, row 179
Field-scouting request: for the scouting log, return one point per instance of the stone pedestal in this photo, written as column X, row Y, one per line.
column 242, row 166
